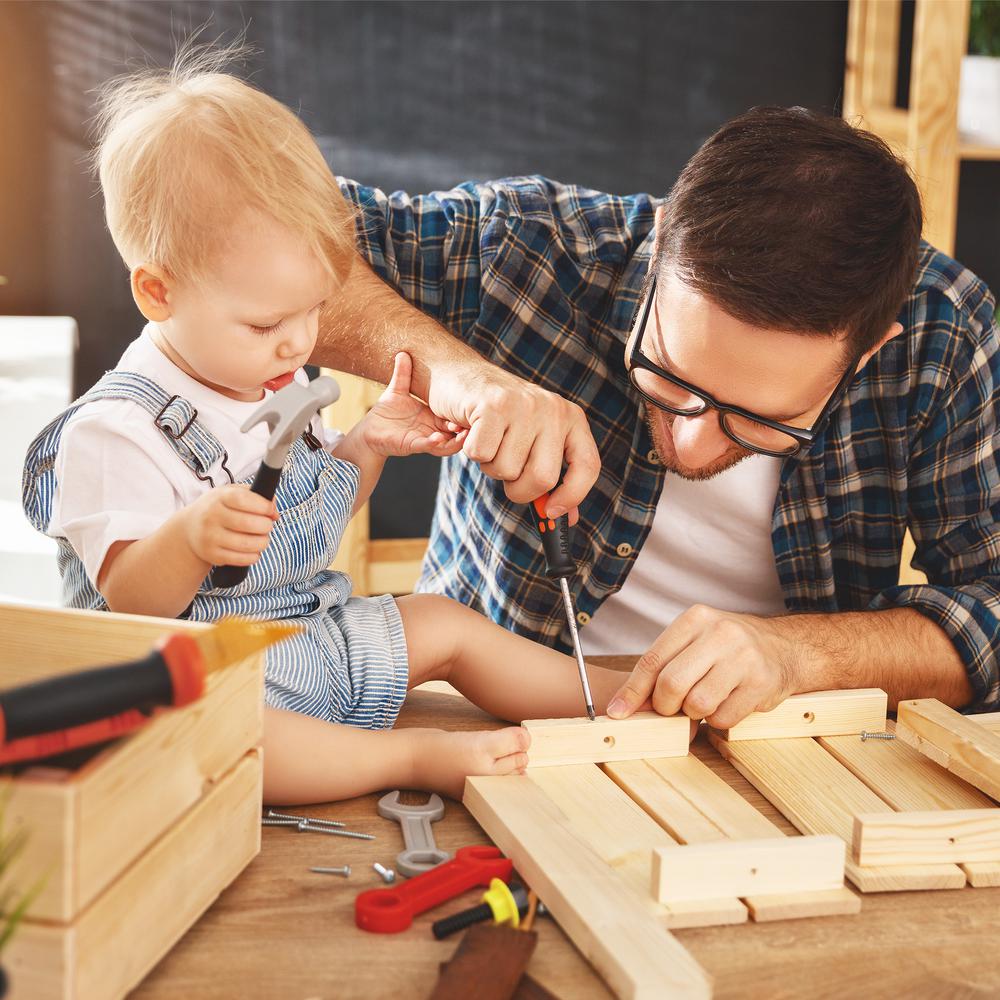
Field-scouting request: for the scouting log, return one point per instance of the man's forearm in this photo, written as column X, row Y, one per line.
column 898, row 650
column 366, row 323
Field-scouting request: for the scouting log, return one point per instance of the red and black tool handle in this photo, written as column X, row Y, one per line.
column 61, row 711
column 554, row 532
column 265, row 484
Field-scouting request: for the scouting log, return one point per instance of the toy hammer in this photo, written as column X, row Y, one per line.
column 288, row 413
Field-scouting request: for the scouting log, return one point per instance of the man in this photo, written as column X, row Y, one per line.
column 779, row 377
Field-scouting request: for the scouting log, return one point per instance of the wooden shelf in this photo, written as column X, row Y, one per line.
column 970, row 150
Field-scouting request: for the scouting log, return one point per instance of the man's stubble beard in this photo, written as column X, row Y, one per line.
column 664, row 445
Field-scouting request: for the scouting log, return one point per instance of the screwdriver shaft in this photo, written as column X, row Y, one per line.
column 575, row 636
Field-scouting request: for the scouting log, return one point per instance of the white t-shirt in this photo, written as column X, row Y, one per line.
column 117, row 476
column 710, row 543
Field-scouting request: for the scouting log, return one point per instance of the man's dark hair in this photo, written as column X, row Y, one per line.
column 795, row 220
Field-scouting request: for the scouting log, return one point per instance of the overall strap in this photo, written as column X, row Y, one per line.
column 172, row 415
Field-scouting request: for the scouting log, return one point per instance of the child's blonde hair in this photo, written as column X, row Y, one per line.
column 181, row 151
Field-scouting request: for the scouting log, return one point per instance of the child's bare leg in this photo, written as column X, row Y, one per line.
column 505, row 674
column 310, row 760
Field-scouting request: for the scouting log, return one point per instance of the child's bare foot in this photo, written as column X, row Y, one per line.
column 442, row 760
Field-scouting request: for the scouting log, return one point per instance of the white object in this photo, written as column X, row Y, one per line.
column 122, row 477
column 710, row 543
column 979, row 99
column 36, row 376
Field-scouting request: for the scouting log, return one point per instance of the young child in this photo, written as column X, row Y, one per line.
column 236, row 237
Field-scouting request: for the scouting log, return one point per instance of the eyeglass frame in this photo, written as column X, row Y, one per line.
column 806, row 437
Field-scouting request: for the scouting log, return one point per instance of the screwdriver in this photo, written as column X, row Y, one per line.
column 68, row 711
column 559, row 565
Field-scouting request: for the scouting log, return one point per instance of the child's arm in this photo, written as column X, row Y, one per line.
column 161, row 573
column 398, row 424
column 310, row 760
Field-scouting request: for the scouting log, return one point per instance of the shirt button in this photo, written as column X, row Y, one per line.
column 624, row 549
column 651, row 456
column 582, row 617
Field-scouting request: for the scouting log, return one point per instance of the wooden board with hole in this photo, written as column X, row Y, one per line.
column 673, row 844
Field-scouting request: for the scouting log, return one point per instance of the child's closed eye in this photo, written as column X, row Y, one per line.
column 266, row 330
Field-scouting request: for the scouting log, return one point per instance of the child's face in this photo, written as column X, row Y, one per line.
column 255, row 322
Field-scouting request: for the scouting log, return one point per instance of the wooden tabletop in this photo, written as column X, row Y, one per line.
column 281, row 931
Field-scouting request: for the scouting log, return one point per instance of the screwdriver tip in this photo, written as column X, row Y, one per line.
column 591, row 713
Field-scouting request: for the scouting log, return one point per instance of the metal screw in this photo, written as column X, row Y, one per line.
column 388, row 875
column 345, row 871
column 307, row 827
column 269, row 821
column 298, row 819
column 877, row 736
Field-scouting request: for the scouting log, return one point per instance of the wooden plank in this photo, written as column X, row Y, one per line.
column 881, row 53
column 394, row 564
column 909, row 781
column 746, row 867
column 819, row 713
column 940, row 35
column 624, row 837
column 635, row 954
column 989, row 720
column 964, row 747
column 582, row 741
column 950, row 835
column 696, row 806
column 140, row 916
column 819, row 795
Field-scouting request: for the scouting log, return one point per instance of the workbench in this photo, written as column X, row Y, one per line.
column 281, row 931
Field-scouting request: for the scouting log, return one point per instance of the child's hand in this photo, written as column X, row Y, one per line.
column 230, row 526
column 400, row 424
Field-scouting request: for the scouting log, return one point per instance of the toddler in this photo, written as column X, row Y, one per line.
column 237, row 238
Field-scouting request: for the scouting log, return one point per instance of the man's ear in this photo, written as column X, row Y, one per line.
column 151, row 289
column 894, row 331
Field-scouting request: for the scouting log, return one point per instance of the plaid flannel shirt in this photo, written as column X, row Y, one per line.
column 544, row 279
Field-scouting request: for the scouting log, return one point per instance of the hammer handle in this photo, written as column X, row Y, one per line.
column 265, row 484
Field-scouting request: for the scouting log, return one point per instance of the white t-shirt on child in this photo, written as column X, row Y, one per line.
column 117, row 476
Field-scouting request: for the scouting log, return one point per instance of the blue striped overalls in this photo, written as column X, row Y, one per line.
column 350, row 663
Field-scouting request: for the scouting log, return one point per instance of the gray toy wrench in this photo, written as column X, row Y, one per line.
column 288, row 413
column 421, row 853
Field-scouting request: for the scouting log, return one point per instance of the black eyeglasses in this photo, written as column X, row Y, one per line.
column 748, row 429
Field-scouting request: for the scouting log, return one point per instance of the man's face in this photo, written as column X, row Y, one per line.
column 785, row 376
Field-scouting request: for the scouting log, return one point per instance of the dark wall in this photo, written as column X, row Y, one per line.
column 403, row 95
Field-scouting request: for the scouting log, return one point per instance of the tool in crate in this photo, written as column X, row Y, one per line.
column 58, row 714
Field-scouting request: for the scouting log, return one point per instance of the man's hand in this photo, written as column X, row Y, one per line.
column 519, row 433
column 712, row 665
column 400, row 424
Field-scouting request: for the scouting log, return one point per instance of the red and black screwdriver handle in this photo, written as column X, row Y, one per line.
column 555, row 539
column 172, row 674
column 265, row 484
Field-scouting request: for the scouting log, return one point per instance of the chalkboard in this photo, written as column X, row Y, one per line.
column 415, row 96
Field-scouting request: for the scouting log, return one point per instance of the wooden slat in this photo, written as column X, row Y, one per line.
column 940, row 33
column 881, row 55
column 696, row 806
column 394, row 564
column 950, row 835
column 746, row 867
column 966, row 748
column 819, row 795
column 820, row 713
column 989, row 720
column 624, row 837
column 909, row 781
column 634, row 953
column 586, row 741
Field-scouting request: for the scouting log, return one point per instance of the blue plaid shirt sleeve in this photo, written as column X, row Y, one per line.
column 953, row 488
column 428, row 247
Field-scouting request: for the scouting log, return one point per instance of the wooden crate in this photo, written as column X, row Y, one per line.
column 137, row 843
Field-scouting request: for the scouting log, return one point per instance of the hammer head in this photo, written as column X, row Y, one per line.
column 288, row 413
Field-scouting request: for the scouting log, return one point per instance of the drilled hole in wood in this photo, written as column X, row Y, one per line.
column 809, row 716
column 753, row 871
column 610, row 740
column 951, row 840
